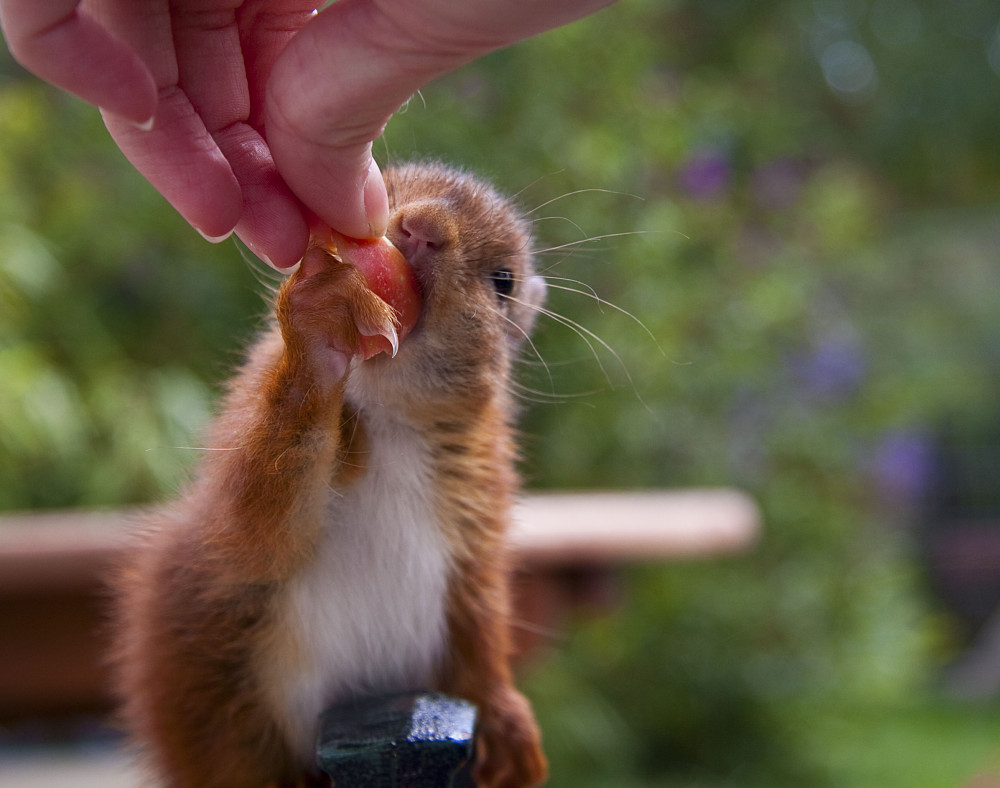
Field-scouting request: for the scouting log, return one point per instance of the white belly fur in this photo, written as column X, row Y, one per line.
column 368, row 614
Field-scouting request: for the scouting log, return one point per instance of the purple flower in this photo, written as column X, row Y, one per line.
column 706, row 175
column 833, row 369
column 904, row 464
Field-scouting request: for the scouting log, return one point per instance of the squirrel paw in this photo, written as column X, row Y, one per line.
column 327, row 314
column 509, row 747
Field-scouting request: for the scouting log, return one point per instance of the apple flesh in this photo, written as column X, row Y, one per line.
column 389, row 276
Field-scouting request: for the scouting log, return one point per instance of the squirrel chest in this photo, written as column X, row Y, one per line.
column 367, row 613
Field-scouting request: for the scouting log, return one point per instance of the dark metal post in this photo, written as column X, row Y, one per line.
column 412, row 740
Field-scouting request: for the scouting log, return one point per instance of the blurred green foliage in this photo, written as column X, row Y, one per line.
column 797, row 204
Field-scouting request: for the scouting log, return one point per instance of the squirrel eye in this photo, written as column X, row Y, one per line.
column 503, row 281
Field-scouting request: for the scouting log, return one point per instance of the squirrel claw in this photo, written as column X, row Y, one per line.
column 371, row 346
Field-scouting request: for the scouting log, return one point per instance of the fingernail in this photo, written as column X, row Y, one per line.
column 376, row 202
column 146, row 125
column 214, row 239
column 267, row 260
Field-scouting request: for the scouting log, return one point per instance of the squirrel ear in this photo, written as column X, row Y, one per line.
column 534, row 291
column 530, row 297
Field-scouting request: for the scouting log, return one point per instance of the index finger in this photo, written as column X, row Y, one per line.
column 64, row 45
column 339, row 80
column 214, row 40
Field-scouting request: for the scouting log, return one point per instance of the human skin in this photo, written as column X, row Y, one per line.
column 249, row 116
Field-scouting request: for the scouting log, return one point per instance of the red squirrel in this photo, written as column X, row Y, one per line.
column 344, row 533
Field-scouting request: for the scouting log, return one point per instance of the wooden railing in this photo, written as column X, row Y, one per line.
column 570, row 550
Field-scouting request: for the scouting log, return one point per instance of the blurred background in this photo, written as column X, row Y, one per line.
column 798, row 203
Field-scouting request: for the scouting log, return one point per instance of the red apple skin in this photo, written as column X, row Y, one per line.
column 388, row 274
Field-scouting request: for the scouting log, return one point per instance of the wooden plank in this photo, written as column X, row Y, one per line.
column 67, row 548
column 569, row 547
column 632, row 527
column 59, row 549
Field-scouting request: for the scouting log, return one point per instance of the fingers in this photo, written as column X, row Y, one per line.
column 318, row 129
column 181, row 160
column 266, row 26
column 209, row 61
column 271, row 223
column 211, row 41
column 338, row 82
column 63, row 45
column 201, row 153
column 201, row 77
column 178, row 155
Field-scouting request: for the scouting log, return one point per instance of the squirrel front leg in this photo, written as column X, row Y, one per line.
column 281, row 428
column 508, row 741
column 194, row 600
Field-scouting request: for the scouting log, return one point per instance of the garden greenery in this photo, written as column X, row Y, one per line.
column 795, row 206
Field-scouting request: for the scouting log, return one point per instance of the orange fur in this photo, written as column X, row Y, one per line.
column 197, row 604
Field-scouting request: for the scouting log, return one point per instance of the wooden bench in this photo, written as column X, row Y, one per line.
column 570, row 549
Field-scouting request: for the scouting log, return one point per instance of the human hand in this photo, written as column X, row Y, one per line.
column 180, row 86
column 342, row 77
column 247, row 115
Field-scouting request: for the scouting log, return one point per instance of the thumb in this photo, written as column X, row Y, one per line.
column 339, row 80
column 330, row 94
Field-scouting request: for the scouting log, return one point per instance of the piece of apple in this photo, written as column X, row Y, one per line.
column 388, row 274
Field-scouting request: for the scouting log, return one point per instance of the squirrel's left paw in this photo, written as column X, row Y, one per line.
column 509, row 747
column 327, row 312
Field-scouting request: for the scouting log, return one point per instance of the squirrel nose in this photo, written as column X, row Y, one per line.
column 422, row 230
